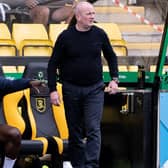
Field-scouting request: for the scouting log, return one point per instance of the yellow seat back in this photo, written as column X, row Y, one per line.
column 55, row 30
column 21, row 31
column 31, row 39
column 4, row 32
column 7, row 45
column 115, row 37
column 59, row 115
column 35, row 48
column 111, row 29
column 152, row 68
column 122, row 68
column 12, row 112
column 133, row 68
column 7, row 48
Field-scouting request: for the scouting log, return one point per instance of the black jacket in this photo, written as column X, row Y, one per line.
column 9, row 86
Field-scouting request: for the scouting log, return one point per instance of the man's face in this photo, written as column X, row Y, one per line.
column 86, row 16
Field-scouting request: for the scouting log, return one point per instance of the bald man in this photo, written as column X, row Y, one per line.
column 77, row 55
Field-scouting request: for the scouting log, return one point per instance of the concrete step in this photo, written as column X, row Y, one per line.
column 140, row 33
column 143, row 46
column 143, row 49
column 108, row 2
column 114, row 14
column 116, row 9
column 127, row 28
column 111, row 3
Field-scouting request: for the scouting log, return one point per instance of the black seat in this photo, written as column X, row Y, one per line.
column 46, row 121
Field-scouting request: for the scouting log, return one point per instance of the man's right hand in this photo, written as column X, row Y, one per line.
column 55, row 98
column 31, row 3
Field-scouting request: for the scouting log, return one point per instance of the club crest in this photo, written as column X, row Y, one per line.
column 41, row 104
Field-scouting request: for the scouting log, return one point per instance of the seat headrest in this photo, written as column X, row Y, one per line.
column 37, row 71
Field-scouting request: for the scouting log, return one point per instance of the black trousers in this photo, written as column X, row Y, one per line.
column 83, row 109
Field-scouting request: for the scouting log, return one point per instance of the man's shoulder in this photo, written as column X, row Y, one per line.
column 67, row 31
column 98, row 30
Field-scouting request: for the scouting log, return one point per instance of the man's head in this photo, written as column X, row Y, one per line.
column 85, row 15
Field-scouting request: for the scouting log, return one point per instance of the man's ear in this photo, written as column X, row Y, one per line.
column 77, row 17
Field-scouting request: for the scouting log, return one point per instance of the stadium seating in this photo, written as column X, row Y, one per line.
column 7, row 46
column 55, row 30
column 133, row 68
column 114, row 34
column 152, row 68
column 31, row 39
column 121, row 68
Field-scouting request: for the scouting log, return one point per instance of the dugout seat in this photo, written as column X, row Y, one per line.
column 55, row 30
column 46, row 121
column 11, row 114
column 115, row 37
column 44, row 129
column 7, row 46
column 31, row 39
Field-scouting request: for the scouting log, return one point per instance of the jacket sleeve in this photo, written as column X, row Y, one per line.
column 110, row 56
column 54, row 63
column 9, row 86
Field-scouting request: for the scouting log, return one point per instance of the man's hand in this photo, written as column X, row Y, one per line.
column 112, row 87
column 31, row 3
column 36, row 83
column 55, row 98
